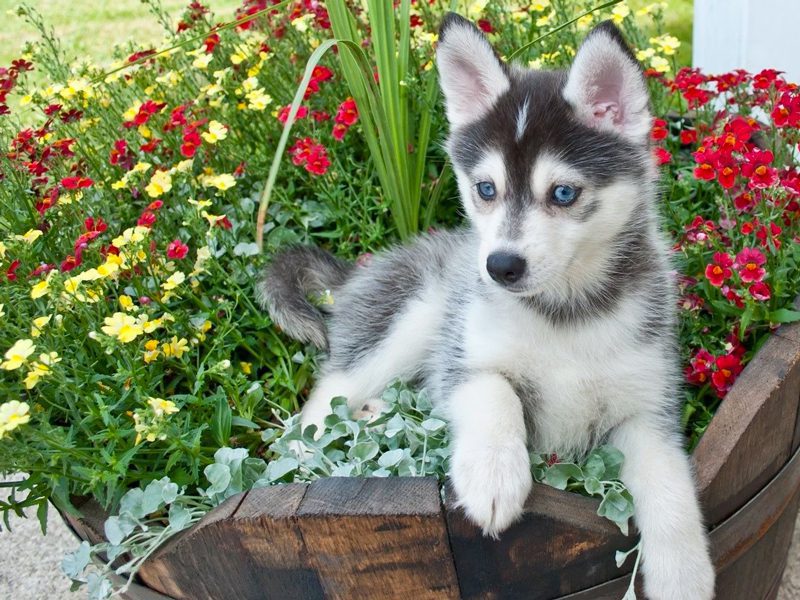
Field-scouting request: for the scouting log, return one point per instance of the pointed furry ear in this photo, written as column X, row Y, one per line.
column 471, row 74
column 606, row 86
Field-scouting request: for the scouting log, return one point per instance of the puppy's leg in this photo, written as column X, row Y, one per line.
column 490, row 468
column 675, row 560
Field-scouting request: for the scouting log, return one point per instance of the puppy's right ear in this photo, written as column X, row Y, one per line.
column 471, row 74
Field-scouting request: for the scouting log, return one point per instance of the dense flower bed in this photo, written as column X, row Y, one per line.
column 133, row 351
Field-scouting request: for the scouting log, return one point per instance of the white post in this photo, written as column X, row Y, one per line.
column 747, row 34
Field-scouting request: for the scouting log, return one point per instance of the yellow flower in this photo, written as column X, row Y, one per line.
column 216, row 132
column 12, row 415
column 667, row 43
column 223, row 181
column 246, row 367
column 151, row 351
column 176, row 347
column 202, row 62
column 619, row 12
column 212, row 219
column 660, row 64
column 29, row 236
column 301, row 23
column 238, row 57
column 131, row 235
column 123, row 327
column 40, row 369
column 126, row 303
column 643, row 55
column 258, row 99
column 200, row 203
column 174, row 280
column 544, row 19
column 540, row 6
column 2, row 312
column 18, row 354
column 584, row 22
column 40, row 289
column 162, row 407
column 160, row 183
column 38, row 325
column 2, row 250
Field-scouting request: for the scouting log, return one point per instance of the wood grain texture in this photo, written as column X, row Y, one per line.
column 561, row 546
column 752, row 435
column 248, row 547
column 378, row 538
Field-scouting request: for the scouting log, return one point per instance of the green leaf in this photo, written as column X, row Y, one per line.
column 391, row 458
column 433, row 425
column 784, row 315
column 612, row 459
column 41, row 514
column 242, row 422
column 221, row 422
column 594, row 466
column 593, row 486
column 559, row 474
column 363, row 451
column 219, row 476
column 74, row 563
column 618, row 508
column 179, row 517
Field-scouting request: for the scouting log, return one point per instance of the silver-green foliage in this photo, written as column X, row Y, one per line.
column 408, row 439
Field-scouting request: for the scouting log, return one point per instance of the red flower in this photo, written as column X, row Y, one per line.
column 318, row 162
column 662, row 156
column 760, row 291
column 705, row 172
column 750, row 263
column 74, row 183
column 211, row 42
column 150, row 146
column 147, row 219
column 719, row 270
column 177, row 249
column 191, row 142
column 727, row 175
column 339, row 131
column 347, row 114
column 283, row 114
column 659, row 130
column 70, row 263
column 485, row 26
column 688, row 136
column 11, row 271
column 728, row 368
column 699, row 369
column 744, row 202
column 762, row 80
column 301, row 150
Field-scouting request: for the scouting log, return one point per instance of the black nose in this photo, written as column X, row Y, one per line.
column 505, row 268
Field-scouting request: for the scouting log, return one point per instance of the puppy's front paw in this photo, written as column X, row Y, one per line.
column 684, row 573
column 370, row 409
column 492, row 482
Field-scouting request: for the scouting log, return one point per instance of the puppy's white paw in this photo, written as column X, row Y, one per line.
column 682, row 572
column 492, row 482
column 370, row 409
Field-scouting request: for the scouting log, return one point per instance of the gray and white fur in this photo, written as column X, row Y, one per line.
column 546, row 323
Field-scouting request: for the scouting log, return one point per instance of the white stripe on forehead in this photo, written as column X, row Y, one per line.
column 549, row 170
column 522, row 119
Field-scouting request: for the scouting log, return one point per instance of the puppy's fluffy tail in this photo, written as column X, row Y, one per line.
column 293, row 275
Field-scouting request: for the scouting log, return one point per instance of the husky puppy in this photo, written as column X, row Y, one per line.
column 547, row 323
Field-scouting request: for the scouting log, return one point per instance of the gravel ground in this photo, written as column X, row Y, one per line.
column 29, row 564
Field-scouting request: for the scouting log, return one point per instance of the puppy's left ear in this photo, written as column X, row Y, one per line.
column 606, row 86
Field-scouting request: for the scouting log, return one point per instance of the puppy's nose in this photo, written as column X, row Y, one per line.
column 505, row 268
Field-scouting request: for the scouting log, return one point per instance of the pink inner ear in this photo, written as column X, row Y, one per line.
column 607, row 112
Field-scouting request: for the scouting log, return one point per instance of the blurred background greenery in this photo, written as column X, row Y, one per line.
column 90, row 30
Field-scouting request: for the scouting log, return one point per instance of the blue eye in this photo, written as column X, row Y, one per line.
column 564, row 195
column 486, row 190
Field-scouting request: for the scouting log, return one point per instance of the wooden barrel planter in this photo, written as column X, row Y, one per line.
column 349, row 538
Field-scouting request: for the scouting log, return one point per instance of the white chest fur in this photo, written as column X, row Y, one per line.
column 586, row 378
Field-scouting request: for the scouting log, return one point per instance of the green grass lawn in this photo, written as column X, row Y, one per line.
column 92, row 29
column 89, row 29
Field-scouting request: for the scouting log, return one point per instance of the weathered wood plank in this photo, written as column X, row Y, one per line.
column 560, row 546
column 378, row 538
column 249, row 547
column 751, row 436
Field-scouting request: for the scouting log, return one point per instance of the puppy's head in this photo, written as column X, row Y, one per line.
column 551, row 165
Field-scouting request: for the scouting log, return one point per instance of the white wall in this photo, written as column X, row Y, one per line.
column 748, row 34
